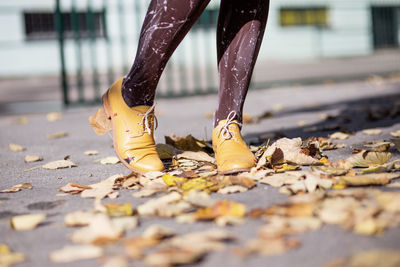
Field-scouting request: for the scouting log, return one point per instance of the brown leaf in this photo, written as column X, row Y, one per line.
column 100, row 122
column 291, row 210
column 367, row 158
column 58, row 164
column 16, row 188
column 369, row 258
column 186, row 143
column 31, row 158
column 73, row 188
column 165, row 151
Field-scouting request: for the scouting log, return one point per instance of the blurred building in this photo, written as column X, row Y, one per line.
column 107, row 35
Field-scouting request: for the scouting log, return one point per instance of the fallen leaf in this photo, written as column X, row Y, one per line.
column 339, row 136
column 221, row 209
column 396, row 143
column 118, row 210
column 366, row 179
column 171, row 180
column 172, row 256
column 22, row 120
column 292, row 152
column 280, row 179
column 157, row 232
column 57, row 135
column 395, row 134
column 8, row 258
column 73, row 188
column 232, row 189
column 165, row 151
column 102, row 189
column 266, row 247
column 367, row 158
column 91, row 152
column 109, row 160
column 291, row 210
column 187, row 143
column 198, row 156
column 100, row 230
column 17, row 188
column 79, row 218
column 248, row 119
column 154, row 206
column 372, row 131
column 75, row 253
column 369, row 258
column 32, row 158
column 53, row 116
column 58, row 164
column 27, row 222
column 100, row 122
column 16, row 148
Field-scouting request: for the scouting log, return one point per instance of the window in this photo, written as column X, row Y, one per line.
column 41, row 25
column 314, row 16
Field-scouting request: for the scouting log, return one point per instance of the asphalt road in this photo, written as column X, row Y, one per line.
column 296, row 110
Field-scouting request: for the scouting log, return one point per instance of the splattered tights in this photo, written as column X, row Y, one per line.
column 240, row 30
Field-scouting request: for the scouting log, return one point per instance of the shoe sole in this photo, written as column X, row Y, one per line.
column 109, row 112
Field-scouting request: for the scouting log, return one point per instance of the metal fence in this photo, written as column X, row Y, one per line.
column 98, row 41
column 97, row 46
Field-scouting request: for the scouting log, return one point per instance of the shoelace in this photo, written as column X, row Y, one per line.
column 226, row 133
column 146, row 119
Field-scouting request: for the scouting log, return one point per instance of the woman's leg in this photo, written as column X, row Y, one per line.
column 165, row 25
column 241, row 26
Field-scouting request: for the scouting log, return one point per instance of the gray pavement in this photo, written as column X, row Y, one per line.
column 292, row 107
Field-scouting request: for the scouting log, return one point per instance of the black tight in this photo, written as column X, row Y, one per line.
column 240, row 30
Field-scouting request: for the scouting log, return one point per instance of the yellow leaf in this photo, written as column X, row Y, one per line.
column 7, row 257
column 367, row 158
column 118, row 210
column 29, row 158
column 57, row 135
column 16, row 148
column 221, row 209
column 173, row 180
column 196, row 184
column 53, row 116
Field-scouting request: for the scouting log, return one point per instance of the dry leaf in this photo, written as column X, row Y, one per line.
column 396, row 143
column 8, row 258
column 395, row 134
column 221, row 209
column 78, row 218
column 172, row 256
column 22, row 120
column 185, row 143
column 91, row 152
column 267, row 247
column 154, row 206
column 73, row 188
column 118, row 210
column 100, row 230
column 75, row 253
column 100, row 122
column 16, row 188
column 57, row 135
column 367, row 158
column 32, row 158
column 165, row 151
column 292, row 152
column 109, row 160
column 366, row 179
column 339, row 136
column 27, row 222
column 199, row 199
column 157, row 232
column 199, row 156
column 372, row 131
column 16, row 148
column 370, row 258
column 58, row 164
column 102, row 189
column 53, row 116
column 280, row 179
column 232, row 189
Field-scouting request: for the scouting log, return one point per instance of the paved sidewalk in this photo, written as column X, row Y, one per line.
column 297, row 110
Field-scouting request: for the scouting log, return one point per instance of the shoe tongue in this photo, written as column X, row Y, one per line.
column 141, row 109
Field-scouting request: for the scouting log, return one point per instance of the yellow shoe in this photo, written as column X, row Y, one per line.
column 231, row 152
column 132, row 132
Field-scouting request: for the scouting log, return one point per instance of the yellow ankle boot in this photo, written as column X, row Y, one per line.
column 132, row 132
column 231, row 152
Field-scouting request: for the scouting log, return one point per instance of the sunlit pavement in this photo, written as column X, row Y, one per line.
column 296, row 111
